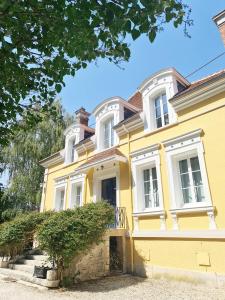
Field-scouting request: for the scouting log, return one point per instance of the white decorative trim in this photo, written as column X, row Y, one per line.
column 200, row 94
column 162, row 222
column 145, row 152
column 142, row 159
column 183, row 140
column 175, row 222
column 77, row 179
column 149, row 213
column 130, row 125
column 212, row 223
column 136, row 224
column 197, row 209
column 183, row 234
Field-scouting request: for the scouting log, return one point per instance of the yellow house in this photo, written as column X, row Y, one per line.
column 158, row 158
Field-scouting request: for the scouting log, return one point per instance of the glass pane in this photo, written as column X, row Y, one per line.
column 199, row 194
column 166, row 119
column 146, row 175
column 159, row 123
column 147, row 201
column 183, row 166
column 147, row 188
column 155, row 186
column 187, row 195
column 164, row 100
column 185, row 180
column 156, row 200
column 158, row 112
column 157, row 102
column 197, row 178
column 154, row 175
column 195, row 164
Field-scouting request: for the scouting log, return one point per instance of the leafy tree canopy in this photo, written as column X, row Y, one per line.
column 21, row 158
column 42, row 41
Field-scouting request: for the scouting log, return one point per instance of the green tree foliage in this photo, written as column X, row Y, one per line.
column 42, row 41
column 21, row 158
column 18, row 234
column 67, row 233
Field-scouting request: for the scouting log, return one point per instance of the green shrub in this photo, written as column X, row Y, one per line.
column 67, row 233
column 17, row 234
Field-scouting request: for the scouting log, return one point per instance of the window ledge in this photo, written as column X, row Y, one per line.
column 188, row 210
column 149, row 213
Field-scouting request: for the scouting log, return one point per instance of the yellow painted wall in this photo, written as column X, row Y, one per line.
column 177, row 253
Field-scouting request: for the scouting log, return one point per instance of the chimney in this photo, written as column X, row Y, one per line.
column 219, row 19
column 82, row 116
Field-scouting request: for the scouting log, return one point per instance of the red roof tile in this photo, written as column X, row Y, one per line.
column 136, row 100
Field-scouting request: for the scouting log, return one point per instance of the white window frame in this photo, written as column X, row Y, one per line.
column 145, row 160
column 60, row 184
column 76, row 180
column 161, row 109
column 181, row 148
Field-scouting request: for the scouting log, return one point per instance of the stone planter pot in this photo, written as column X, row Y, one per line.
column 52, row 275
column 4, row 264
column 40, row 272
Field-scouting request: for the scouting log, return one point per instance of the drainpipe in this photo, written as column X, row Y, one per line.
column 131, row 197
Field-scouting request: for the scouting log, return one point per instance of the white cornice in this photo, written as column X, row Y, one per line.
column 145, row 150
column 199, row 94
column 179, row 140
column 184, row 234
column 149, row 213
column 195, row 210
column 85, row 145
column 52, row 160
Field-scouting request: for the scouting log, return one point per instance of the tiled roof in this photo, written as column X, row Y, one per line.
column 196, row 84
column 101, row 156
column 136, row 100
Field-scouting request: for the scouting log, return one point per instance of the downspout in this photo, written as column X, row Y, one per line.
column 131, row 197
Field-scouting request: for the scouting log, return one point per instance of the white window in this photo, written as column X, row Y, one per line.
column 60, row 198
column 76, row 195
column 108, row 133
column 147, row 186
column 150, row 182
column 161, row 110
column 191, row 180
column 187, row 172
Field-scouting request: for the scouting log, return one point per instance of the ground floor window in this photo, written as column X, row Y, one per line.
column 151, row 196
column 76, row 195
column 60, row 198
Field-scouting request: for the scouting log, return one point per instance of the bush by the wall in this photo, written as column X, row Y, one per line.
column 67, row 233
column 18, row 233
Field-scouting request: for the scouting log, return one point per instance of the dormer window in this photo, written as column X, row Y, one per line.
column 161, row 110
column 108, row 133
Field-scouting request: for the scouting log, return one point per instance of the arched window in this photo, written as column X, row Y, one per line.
column 161, row 110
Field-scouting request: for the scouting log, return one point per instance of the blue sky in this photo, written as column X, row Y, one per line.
column 170, row 49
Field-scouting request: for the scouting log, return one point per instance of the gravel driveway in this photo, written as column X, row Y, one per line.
column 117, row 287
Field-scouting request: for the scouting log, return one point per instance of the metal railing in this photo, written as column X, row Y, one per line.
column 119, row 218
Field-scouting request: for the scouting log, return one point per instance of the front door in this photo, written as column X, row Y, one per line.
column 109, row 190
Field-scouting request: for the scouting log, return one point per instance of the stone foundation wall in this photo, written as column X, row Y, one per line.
column 90, row 265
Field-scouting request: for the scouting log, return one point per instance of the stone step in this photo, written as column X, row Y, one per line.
column 21, row 267
column 32, row 262
column 37, row 257
column 25, row 276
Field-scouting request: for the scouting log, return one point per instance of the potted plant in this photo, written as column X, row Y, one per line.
column 41, row 271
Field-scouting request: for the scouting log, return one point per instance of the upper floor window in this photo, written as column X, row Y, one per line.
column 161, row 111
column 151, row 197
column 191, row 180
column 72, row 149
column 108, row 133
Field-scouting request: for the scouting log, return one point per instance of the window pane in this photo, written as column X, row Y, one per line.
column 195, row 164
column 185, row 180
column 197, row 178
column 154, row 175
column 183, row 166
column 164, row 100
column 187, row 195
column 166, row 119
column 147, row 188
column 159, row 123
column 199, row 194
column 157, row 102
column 156, row 200
column 147, row 201
column 62, row 193
column 78, row 195
column 158, row 112
column 146, row 175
